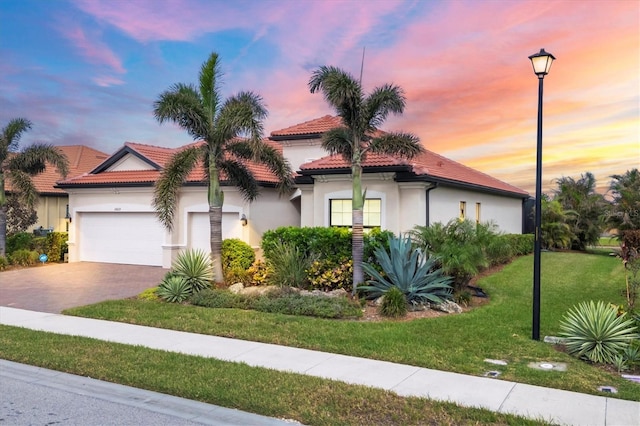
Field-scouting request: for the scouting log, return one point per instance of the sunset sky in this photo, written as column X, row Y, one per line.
column 87, row 72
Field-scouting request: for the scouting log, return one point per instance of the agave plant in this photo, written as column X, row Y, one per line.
column 174, row 288
column 410, row 270
column 195, row 267
column 595, row 332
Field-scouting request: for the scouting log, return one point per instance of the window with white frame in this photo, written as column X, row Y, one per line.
column 478, row 207
column 340, row 212
column 463, row 210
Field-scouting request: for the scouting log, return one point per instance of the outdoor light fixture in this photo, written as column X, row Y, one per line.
column 244, row 220
column 541, row 62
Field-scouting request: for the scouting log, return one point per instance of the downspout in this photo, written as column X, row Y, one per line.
column 434, row 185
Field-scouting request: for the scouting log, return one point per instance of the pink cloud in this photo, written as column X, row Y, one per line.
column 91, row 48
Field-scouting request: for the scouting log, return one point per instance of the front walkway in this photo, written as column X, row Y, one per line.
column 535, row 402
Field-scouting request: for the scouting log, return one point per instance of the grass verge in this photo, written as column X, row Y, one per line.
column 459, row 343
column 310, row 400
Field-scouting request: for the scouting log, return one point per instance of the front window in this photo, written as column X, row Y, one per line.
column 341, row 213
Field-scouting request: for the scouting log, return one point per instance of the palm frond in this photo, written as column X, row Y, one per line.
column 267, row 156
column 182, row 105
column 338, row 141
column 210, row 77
column 33, row 160
column 342, row 91
column 239, row 175
column 382, row 101
column 23, row 187
column 165, row 195
column 401, row 144
column 242, row 115
column 11, row 134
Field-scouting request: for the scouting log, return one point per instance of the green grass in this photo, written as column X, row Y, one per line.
column 310, row 400
column 460, row 343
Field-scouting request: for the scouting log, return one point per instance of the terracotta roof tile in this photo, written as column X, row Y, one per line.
column 319, row 125
column 161, row 156
column 427, row 164
column 81, row 160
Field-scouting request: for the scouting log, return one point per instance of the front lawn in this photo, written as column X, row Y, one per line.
column 460, row 343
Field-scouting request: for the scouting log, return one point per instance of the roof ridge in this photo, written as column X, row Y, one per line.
column 129, row 144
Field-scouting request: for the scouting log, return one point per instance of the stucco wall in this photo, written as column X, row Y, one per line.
column 444, row 205
column 298, row 152
column 51, row 213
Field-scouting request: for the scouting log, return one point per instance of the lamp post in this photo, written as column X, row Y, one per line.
column 541, row 62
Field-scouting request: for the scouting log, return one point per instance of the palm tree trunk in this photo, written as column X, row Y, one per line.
column 215, row 226
column 357, row 250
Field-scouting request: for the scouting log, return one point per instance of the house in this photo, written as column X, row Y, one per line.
column 113, row 219
column 400, row 193
column 52, row 204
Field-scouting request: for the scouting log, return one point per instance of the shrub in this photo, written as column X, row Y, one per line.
column 236, row 254
column 259, row 272
column 149, row 294
column 595, row 332
column 54, row 243
column 290, row 265
column 326, row 275
column 39, row 244
column 174, row 288
column 24, row 257
column 408, row 269
column 218, row 298
column 237, row 275
column 521, row 244
column 19, row 241
column 4, row 262
column 393, row 304
column 195, row 267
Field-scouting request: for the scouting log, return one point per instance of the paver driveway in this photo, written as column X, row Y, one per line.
column 54, row 287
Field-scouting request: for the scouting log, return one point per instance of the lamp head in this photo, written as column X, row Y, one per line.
column 541, row 62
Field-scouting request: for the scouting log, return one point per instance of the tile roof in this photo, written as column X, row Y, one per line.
column 81, row 160
column 160, row 156
column 426, row 165
column 317, row 126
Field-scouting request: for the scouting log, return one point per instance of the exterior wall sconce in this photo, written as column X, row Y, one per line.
column 244, row 220
column 68, row 216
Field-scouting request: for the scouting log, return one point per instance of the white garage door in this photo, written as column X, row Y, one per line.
column 199, row 235
column 129, row 238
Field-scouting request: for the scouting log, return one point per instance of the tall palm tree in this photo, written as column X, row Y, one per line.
column 625, row 208
column 231, row 131
column 362, row 115
column 19, row 167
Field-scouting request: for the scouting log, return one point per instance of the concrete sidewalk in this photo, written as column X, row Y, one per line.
column 552, row 405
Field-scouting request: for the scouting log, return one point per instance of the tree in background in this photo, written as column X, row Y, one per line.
column 625, row 206
column 556, row 233
column 19, row 167
column 231, row 131
column 581, row 197
column 19, row 215
column 362, row 115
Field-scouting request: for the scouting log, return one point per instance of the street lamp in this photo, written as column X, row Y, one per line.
column 541, row 62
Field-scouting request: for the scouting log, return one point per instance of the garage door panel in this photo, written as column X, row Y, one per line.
column 200, row 236
column 129, row 238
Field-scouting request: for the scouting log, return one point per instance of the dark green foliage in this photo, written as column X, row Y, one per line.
column 20, row 215
column 4, row 262
column 24, row 257
column 332, row 244
column 55, row 244
column 283, row 302
column 394, row 304
column 236, row 254
column 595, row 332
column 290, row 265
column 409, row 270
column 625, row 208
column 39, row 244
column 520, row 244
column 580, row 196
column 19, row 241
column 555, row 231
column 174, row 289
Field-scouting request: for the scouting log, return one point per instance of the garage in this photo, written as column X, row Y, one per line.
column 120, row 237
column 199, row 235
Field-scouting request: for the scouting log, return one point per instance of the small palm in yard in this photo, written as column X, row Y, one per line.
column 408, row 269
column 231, row 131
column 20, row 167
column 361, row 115
column 595, row 332
column 195, row 268
column 174, row 289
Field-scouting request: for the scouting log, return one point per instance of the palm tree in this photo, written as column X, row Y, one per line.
column 625, row 208
column 19, row 167
column 361, row 115
column 231, row 131
column 590, row 207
